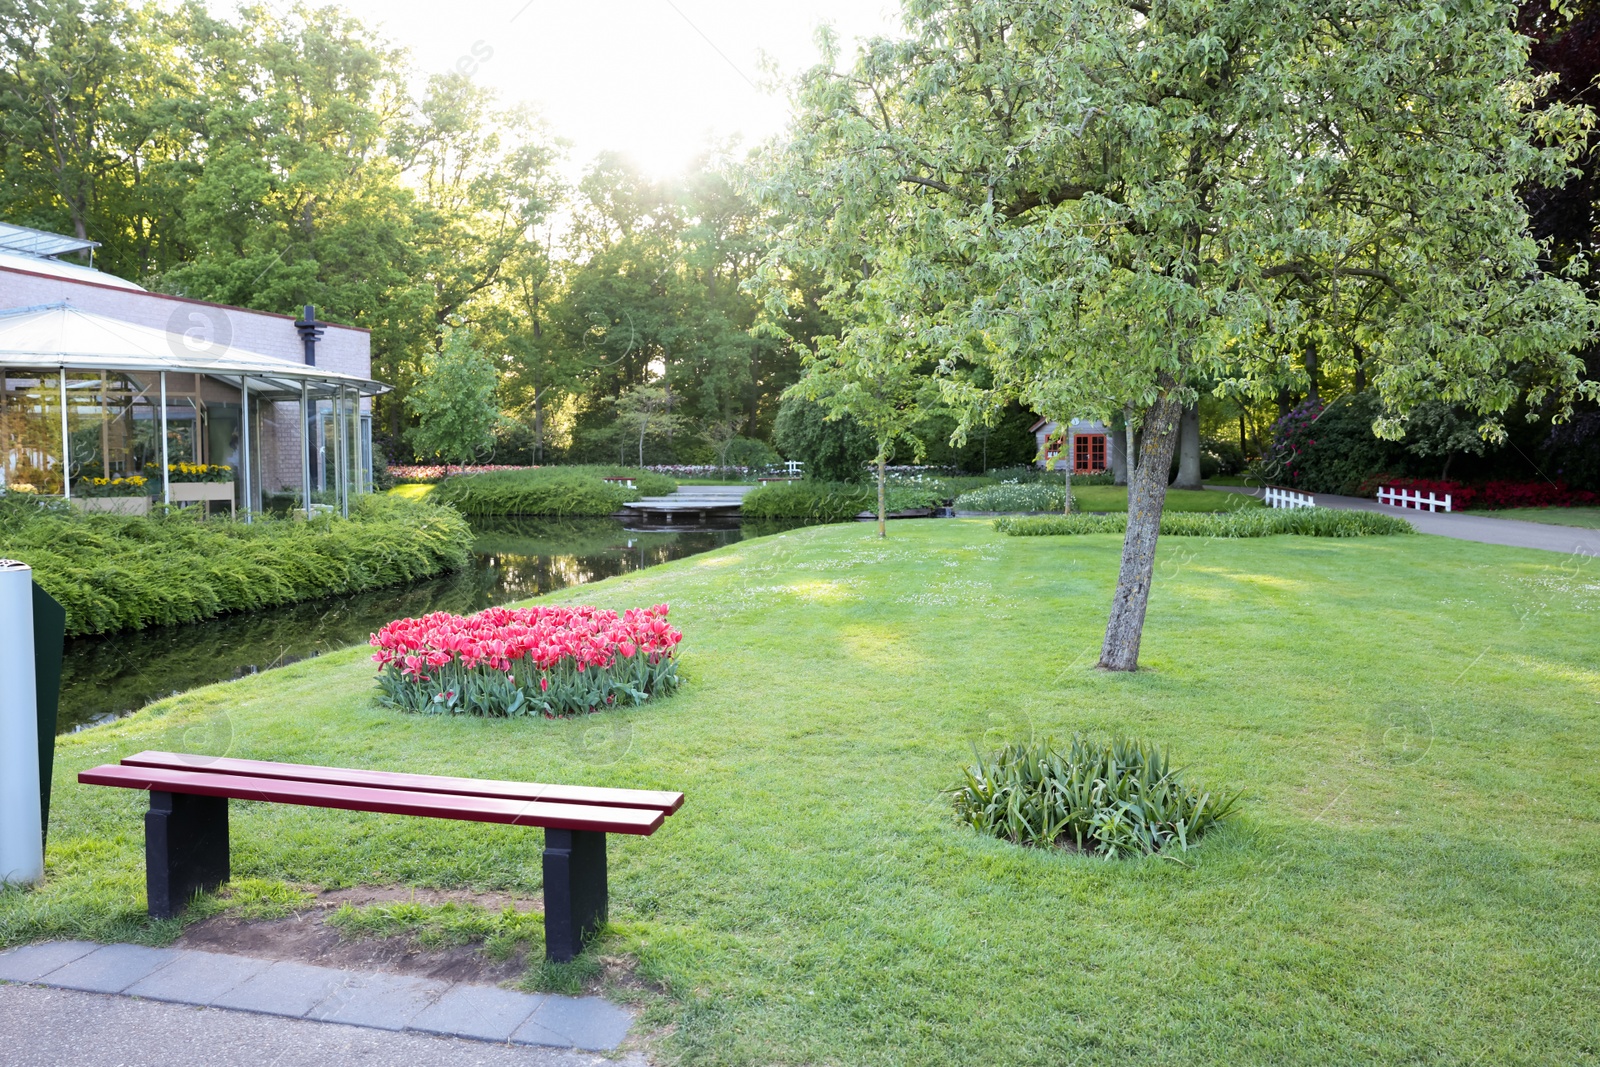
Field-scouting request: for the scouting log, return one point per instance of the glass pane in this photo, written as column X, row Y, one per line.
column 30, row 432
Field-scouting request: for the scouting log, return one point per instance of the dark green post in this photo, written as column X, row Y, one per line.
column 49, row 642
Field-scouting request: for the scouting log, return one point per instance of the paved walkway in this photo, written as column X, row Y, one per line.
column 404, row 1006
column 1466, row 526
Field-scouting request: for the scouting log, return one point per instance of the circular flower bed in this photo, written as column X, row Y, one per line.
column 545, row 661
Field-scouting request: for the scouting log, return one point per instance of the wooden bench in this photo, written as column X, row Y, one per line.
column 186, row 828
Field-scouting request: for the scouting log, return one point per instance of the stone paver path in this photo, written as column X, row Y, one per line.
column 322, row 994
column 43, row 1027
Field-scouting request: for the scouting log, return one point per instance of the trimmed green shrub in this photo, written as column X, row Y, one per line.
column 809, row 501
column 649, row 483
column 559, row 492
column 116, row 572
column 1014, row 496
column 906, row 492
column 1246, row 522
column 1115, row 798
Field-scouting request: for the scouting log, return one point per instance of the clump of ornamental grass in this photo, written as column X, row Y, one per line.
column 1014, row 497
column 1113, row 798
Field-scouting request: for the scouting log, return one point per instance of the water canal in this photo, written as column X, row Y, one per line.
column 514, row 559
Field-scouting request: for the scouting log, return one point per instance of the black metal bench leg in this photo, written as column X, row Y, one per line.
column 185, row 849
column 574, row 890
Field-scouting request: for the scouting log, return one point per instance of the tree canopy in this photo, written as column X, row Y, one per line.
column 1112, row 202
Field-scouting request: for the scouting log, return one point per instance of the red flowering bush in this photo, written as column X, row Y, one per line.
column 1490, row 496
column 531, row 661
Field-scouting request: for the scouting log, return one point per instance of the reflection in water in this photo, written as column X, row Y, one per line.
column 104, row 677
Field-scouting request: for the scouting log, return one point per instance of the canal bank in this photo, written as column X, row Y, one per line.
column 513, row 559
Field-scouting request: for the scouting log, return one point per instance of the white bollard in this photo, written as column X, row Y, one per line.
column 21, row 832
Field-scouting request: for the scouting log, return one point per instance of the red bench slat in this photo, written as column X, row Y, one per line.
column 512, row 812
column 662, row 801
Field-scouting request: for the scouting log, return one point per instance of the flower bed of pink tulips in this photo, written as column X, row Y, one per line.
column 438, row 472
column 545, row 661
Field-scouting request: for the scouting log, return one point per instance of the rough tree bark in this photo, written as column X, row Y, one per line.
column 1146, row 496
column 1189, row 449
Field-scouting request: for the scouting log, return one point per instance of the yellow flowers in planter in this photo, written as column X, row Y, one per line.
column 199, row 472
column 132, row 485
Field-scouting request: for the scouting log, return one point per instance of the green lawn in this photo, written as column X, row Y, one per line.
column 412, row 490
column 1588, row 518
column 1415, row 878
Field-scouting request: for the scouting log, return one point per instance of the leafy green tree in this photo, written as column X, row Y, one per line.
column 833, row 449
column 887, row 394
column 540, row 372
column 92, row 134
column 721, row 434
column 646, row 410
column 1120, row 197
column 453, row 400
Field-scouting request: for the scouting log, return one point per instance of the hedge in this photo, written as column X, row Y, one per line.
column 809, row 500
column 116, row 572
column 558, row 492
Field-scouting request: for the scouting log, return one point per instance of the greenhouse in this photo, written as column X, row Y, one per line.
column 115, row 415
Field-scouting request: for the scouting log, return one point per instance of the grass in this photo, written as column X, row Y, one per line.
column 1588, row 518
column 438, row 926
column 412, row 490
column 1414, row 877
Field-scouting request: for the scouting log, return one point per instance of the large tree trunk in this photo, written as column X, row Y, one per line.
column 1189, row 449
column 1146, row 496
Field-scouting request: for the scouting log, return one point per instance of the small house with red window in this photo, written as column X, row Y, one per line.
column 1091, row 445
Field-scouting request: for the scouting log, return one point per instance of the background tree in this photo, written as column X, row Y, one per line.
column 1121, row 196
column 833, row 449
column 721, row 435
column 453, row 400
column 886, row 394
column 646, row 410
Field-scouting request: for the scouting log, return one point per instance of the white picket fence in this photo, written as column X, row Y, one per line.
column 1288, row 498
column 1406, row 498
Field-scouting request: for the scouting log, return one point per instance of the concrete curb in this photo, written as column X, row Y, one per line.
column 322, row 994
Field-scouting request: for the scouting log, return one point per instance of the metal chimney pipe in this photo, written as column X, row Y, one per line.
column 310, row 330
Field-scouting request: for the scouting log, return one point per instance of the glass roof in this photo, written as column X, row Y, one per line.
column 31, row 242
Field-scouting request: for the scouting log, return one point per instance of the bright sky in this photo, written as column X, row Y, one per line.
column 652, row 78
